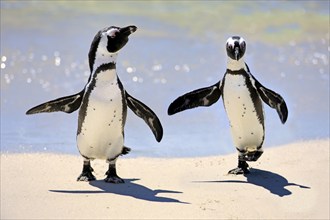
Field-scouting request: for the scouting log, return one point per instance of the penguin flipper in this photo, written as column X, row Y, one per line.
column 201, row 97
column 274, row 100
column 66, row 104
column 147, row 115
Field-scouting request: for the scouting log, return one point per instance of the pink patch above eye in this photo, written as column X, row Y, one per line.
column 112, row 32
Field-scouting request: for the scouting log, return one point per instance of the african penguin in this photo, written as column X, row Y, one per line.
column 241, row 94
column 103, row 105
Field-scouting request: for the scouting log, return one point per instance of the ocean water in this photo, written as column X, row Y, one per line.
column 178, row 47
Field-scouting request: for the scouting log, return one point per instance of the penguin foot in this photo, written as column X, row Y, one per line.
column 112, row 176
column 114, row 179
column 238, row 171
column 243, row 168
column 251, row 156
column 86, row 176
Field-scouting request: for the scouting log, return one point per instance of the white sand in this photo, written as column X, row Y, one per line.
column 288, row 182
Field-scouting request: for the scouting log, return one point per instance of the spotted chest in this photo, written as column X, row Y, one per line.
column 102, row 117
column 245, row 112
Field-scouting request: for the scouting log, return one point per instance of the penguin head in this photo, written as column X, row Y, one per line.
column 115, row 38
column 108, row 42
column 235, row 47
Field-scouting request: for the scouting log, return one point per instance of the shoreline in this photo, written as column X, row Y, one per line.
column 287, row 182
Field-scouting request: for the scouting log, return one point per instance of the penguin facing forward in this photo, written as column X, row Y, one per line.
column 242, row 96
column 103, row 105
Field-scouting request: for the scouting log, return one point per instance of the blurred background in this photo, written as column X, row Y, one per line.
column 179, row 46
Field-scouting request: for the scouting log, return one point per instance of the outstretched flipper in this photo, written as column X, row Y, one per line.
column 201, row 97
column 147, row 115
column 66, row 104
column 274, row 100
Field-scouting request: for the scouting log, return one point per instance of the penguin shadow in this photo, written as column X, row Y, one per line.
column 272, row 182
column 129, row 188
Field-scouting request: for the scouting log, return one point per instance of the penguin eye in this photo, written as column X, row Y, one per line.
column 112, row 32
column 229, row 46
column 243, row 44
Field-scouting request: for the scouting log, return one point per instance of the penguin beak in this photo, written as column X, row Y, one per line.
column 237, row 56
column 128, row 30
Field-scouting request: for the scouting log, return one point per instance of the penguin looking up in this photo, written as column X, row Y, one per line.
column 241, row 95
column 102, row 106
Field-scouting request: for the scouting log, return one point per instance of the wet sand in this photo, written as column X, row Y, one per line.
column 288, row 182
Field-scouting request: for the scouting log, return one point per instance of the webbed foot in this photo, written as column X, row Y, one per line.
column 243, row 168
column 251, row 156
column 86, row 177
column 114, row 179
column 86, row 174
column 112, row 176
column 238, row 171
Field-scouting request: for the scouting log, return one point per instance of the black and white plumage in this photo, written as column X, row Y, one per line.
column 242, row 97
column 103, row 105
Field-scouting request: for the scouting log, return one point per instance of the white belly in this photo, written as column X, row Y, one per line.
column 246, row 129
column 101, row 133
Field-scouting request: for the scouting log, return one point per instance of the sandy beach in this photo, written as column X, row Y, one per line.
column 288, row 182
